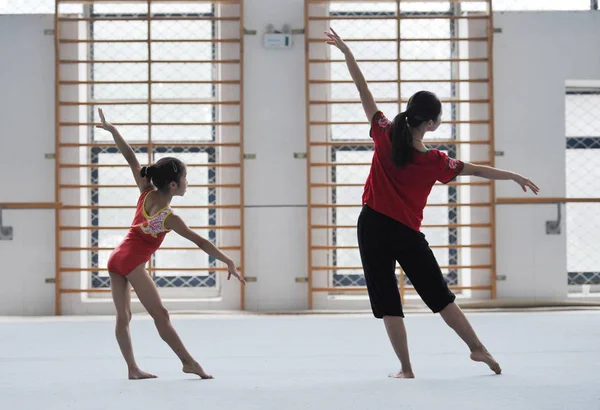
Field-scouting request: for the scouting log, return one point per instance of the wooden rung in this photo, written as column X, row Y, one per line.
column 411, row 288
column 149, row 82
column 103, row 269
column 445, row 17
column 100, row 186
column 475, row 225
column 449, row 205
column 367, row 164
column 146, row 18
column 402, row 60
column 71, row 207
column 141, row 124
column 363, row 60
column 150, row 102
column 29, row 205
column 165, row 248
column 342, row 268
column 385, row 1
column 99, row 290
column 190, row 144
column 149, row 61
column 233, row 2
column 444, row 60
column 145, row 41
column 472, row 80
column 333, row 185
column 402, row 39
column 452, row 246
column 91, row 290
column 369, row 142
column 445, row 39
column 395, row 101
column 210, row 165
column 340, row 164
column 363, row 122
column 326, row 18
column 124, row 228
column 401, row 17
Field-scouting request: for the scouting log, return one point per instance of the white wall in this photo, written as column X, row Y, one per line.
column 27, row 133
column 275, row 182
column 534, row 56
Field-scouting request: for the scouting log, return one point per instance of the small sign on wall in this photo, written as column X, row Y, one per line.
column 277, row 40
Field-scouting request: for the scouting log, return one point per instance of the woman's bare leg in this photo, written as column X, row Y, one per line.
column 456, row 319
column 394, row 325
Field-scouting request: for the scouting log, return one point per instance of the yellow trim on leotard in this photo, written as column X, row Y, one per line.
column 164, row 220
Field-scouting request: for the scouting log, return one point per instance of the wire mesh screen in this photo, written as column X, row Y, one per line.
column 168, row 75
column 402, row 47
column 47, row 6
column 582, row 183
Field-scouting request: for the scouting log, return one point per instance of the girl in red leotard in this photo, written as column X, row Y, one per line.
column 153, row 219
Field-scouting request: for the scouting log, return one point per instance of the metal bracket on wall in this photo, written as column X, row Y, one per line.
column 6, row 232
column 553, row 227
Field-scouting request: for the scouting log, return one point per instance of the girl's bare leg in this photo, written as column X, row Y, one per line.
column 148, row 294
column 122, row 298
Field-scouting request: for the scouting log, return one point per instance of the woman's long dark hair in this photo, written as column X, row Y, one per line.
column 422, row 107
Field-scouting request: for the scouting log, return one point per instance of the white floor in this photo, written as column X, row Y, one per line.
column 551, row 360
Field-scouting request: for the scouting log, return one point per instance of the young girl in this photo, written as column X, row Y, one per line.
column 403, row 172
column 153, row 219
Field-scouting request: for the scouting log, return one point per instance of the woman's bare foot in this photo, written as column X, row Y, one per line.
column 137, row 374
column 482, row 355
column 195, row 368
column 402, row 375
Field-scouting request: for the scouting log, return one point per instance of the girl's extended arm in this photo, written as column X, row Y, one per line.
column 127, row 152
column 176, row 223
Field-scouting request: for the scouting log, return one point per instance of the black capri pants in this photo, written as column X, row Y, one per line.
column 383, row 241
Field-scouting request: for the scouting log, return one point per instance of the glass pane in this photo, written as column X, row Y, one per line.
column 583, row 114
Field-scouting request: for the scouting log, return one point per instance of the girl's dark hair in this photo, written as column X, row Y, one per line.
column 165, row 171
column 422, row 107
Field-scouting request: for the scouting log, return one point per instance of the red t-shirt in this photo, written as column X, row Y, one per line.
column 401, row 192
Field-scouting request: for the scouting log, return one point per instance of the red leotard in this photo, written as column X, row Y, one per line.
column 143, row 239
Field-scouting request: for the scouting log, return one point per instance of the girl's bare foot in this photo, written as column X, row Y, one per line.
column 137, row 374
column 402, row 375
column 482, row 355
column 195, row 368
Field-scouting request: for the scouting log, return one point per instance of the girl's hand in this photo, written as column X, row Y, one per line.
column 233, row 271
column 526, row 183
column 105, row 125
column 335, row 40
